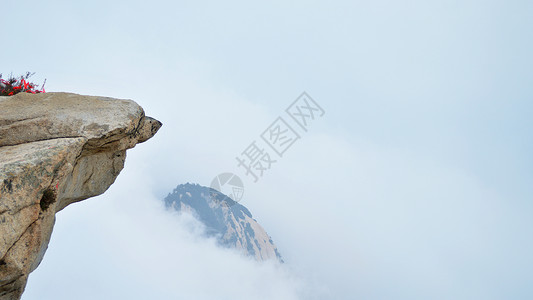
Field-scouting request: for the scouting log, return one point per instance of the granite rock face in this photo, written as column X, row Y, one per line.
column 56, row 149
column 230, row 222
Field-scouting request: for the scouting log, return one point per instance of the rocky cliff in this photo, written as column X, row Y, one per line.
column 230, row 222
column 56, row 149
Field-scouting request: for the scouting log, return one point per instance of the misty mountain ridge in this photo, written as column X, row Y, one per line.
column 230, row 222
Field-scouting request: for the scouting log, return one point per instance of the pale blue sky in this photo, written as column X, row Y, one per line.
column 420, row 173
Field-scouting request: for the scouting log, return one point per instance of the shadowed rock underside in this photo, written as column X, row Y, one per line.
column 56, row 149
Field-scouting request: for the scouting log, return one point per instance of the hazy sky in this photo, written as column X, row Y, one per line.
column 415, row 184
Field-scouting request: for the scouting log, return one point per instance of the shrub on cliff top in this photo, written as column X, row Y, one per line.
column 15, row 85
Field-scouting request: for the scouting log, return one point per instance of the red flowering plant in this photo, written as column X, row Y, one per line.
column 15, row 85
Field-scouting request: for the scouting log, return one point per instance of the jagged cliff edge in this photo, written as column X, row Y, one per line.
column 56, row 149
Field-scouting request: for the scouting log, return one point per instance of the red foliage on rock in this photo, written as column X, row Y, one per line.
column 15, row 85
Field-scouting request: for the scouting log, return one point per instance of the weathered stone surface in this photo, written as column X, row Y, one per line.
column 56, row 149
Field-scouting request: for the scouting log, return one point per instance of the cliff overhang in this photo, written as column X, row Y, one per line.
column 56, row 149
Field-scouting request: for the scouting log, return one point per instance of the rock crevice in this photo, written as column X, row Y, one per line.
column 56, row 149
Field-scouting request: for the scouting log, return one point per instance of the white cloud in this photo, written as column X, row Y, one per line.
column 124, row 245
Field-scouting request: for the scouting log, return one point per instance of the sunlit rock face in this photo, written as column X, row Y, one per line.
column 56, row 149
column 231, row 223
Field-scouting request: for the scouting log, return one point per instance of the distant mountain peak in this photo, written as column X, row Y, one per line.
column 230, row 222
